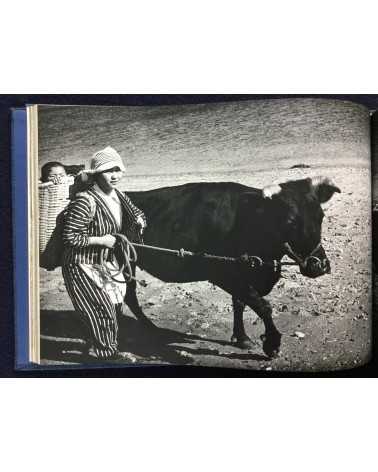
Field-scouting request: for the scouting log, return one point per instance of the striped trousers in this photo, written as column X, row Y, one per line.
column 95, row 308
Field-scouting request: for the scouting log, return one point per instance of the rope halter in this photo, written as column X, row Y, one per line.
column 299, row 260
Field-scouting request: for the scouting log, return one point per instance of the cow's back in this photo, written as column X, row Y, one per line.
column 198, row 217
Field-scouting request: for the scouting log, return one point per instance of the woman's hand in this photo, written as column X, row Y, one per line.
column 56, row 179
column 141, row 224
column 108, row 241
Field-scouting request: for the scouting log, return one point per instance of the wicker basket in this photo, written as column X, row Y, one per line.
column 53, row 199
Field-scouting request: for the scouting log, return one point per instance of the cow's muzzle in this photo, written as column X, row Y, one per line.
column 314, row 265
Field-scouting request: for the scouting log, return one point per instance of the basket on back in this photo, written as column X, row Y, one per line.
column 53, row 199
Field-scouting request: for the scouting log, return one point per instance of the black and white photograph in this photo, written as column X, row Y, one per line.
column 189, row 223
column 233, row 235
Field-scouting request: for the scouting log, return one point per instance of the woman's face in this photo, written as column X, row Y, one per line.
column 109, row 179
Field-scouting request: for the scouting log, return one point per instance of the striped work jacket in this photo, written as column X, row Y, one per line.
column 80, row 224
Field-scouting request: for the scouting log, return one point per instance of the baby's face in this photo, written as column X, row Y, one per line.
column 56, row 174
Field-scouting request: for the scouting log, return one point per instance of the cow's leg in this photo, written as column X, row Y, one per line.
column 272, row 337
column 132, row 302
column 249, row 296
column 239, row 336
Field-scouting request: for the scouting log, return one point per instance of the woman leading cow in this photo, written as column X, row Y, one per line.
column 90, row 269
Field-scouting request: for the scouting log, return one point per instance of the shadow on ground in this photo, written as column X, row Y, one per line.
column 63, row 338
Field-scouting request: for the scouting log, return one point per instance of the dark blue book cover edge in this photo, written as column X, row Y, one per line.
column 20, row 193
column 20, row 235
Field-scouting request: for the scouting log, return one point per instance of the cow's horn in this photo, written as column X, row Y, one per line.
column 271, row 190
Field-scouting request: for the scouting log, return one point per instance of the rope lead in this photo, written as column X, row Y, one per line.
column 128, row 256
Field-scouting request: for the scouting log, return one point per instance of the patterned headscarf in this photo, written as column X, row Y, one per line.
column 106, row 159
column 101, row 161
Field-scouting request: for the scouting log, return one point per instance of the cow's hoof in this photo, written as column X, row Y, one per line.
column 242, row 343
column 271, row 344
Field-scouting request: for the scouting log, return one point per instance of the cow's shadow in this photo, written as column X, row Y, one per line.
column 63, row 338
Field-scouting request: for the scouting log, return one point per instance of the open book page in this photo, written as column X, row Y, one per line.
column 299, row 300
column 374, row 161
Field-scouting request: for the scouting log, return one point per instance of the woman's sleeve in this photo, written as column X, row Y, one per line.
column 76, row 223
column 133, row 211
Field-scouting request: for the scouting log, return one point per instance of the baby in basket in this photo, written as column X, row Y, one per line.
column 53, row 172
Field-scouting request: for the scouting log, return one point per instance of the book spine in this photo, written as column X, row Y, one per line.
column 20, row 236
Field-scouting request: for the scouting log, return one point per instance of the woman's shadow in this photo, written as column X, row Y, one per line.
column 64, row 335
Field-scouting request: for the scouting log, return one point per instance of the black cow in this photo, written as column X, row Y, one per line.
column 230, row 219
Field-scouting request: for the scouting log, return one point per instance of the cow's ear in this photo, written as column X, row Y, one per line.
column 324, row 188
